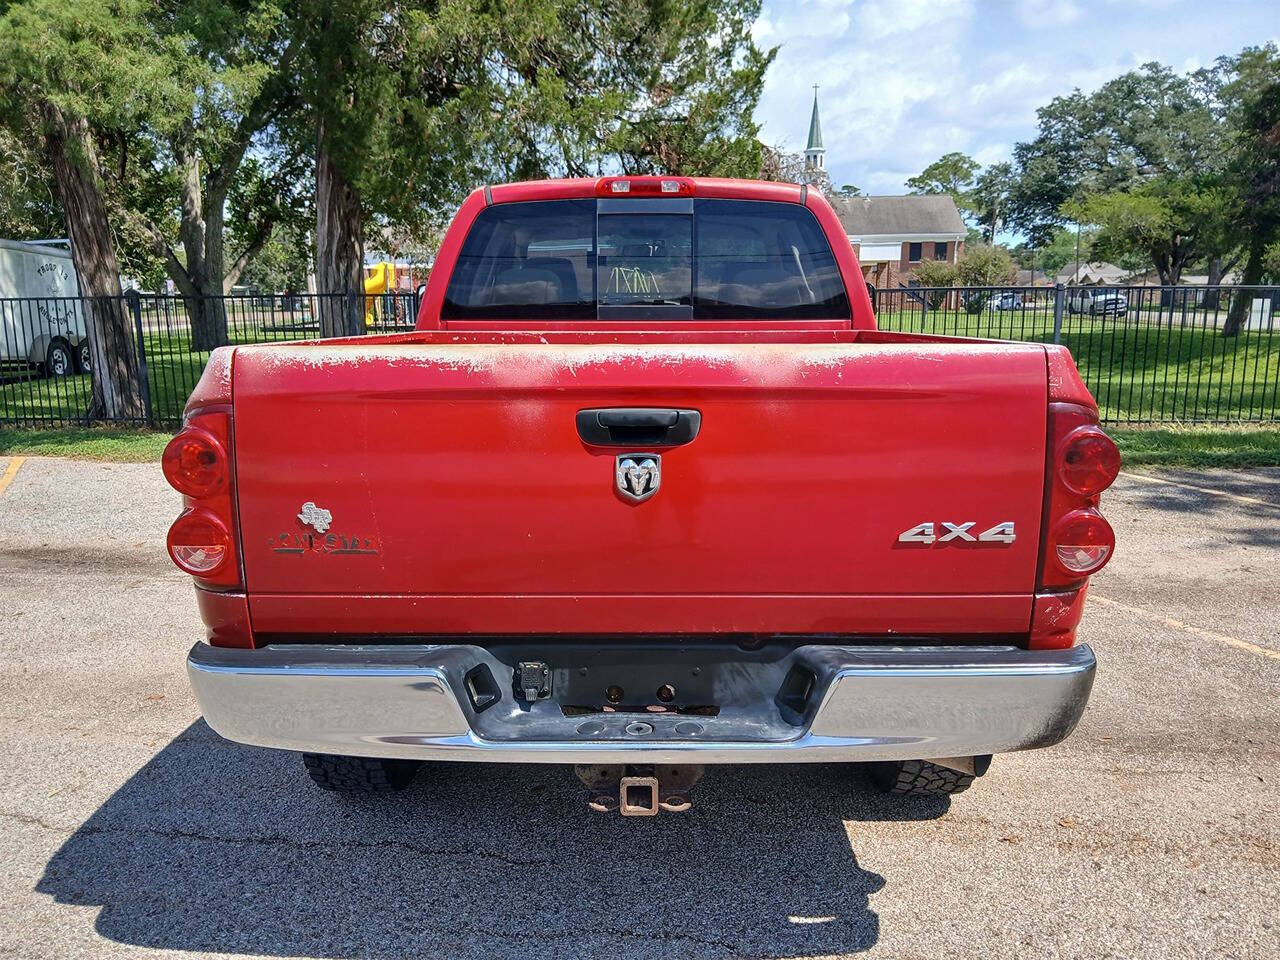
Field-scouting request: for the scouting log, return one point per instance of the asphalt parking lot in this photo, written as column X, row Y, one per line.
column 127, row 827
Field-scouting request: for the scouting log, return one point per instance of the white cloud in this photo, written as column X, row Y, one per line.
column 904, row 81
column 1041, row 14
column 868, row 59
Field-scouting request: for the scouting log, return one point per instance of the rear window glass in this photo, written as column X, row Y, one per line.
column 709, row 259
column 645, row 260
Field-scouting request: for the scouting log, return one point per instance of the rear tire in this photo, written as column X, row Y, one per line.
column 360, row 774
column 917, row 776
column 84, row 358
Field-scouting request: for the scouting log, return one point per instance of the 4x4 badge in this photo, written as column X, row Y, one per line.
column 637, row 475
column 927, row 533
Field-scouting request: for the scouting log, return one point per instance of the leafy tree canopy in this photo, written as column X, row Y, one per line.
column 951, row 173
column 986, row 266
column 1147, row 123
column 29, row 208
column 1166, row 222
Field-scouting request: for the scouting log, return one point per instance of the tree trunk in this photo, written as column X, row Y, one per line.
column 1242, row 300
column 339, row 248
column 208, row 315
column 117, row 389
column 200, row 277
column 1212, row 295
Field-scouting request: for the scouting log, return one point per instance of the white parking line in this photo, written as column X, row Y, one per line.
column 1191, row 486
column 1189, row 628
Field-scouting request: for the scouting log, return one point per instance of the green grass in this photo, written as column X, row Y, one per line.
column 84, row 443
column 1140, row 370
column 1198, row 446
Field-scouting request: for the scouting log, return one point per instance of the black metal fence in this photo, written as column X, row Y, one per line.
column 1192, row 354
column 46, row 354
column 1148, row 354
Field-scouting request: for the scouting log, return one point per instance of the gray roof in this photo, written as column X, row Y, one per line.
column 815, row 128
column 57, row 248
column 898, row 216
column 1094, row 272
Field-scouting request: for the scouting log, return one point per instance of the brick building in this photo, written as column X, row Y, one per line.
column 892, row 236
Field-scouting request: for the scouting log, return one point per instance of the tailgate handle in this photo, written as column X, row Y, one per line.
column 638, row 426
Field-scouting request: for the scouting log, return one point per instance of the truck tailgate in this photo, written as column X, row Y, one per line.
column 460, row 497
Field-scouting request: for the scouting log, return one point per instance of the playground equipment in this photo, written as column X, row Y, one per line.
column 381, row 279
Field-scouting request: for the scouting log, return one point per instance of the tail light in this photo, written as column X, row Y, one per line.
column 199, row 543
column 1082, row 462
column 1082, row 543
column 1088, row 461
column 202, row 541
column 195, row 463
column 644, row 187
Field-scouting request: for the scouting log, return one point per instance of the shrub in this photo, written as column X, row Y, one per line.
column 985, row 266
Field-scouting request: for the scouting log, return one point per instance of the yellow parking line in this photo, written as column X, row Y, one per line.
column 1188, row 628
column 10, row 472
column 1191, row 486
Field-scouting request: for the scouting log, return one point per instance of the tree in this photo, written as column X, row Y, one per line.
column 951, row 173
column 1271, row 264
column 691, row 78
column 75, row 74
column 1063, row 247
column 220, row 158
column 986, row 266
column 936, row 274
column 981, row 195
column 389, row 95
column 283, row 263
column 989, row 198
column 1255, row 165
column 1148, row 123
column 1167, row 222
column 410, row 102
column 28, row 203
column 778, row 165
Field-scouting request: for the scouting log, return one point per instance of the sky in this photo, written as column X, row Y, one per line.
column 904, row 81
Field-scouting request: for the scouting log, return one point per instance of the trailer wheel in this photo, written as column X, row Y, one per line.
column 84, row 358
column 360, row 774
column 917, row 776
column 58, row 361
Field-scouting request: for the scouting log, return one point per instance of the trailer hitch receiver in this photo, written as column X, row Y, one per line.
column 638, row 790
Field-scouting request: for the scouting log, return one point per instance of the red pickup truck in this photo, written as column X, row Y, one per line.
column 646, row 489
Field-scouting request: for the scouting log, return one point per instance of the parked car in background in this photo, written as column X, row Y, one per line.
column 1009, row 300
column 980, row 300
column 41, row 321
column 1098, row 301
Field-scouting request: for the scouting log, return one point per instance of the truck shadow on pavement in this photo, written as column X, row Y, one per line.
column 216, row 848
column 1248, row 524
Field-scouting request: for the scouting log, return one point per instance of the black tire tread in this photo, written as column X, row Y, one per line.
column 919, row 777
column 59, row 343
column 343, row 774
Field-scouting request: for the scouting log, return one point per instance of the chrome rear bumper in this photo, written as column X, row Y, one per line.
column 863, row 703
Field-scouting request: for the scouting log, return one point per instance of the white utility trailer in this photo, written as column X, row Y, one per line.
column 41, row 316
